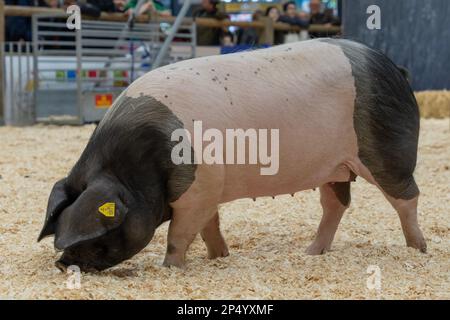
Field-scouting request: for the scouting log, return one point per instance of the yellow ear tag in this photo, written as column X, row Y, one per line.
column 108, row 209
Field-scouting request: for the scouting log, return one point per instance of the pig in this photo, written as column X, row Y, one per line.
column 342, row 110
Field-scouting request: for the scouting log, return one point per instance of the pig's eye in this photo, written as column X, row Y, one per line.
column 73, row 194
column 79, row 190
column 121, row 196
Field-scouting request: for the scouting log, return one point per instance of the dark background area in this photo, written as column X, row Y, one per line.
column 414, row 33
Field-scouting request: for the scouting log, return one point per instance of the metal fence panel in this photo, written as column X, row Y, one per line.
column 80, row 73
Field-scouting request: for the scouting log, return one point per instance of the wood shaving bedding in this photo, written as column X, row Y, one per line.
column 267, row 238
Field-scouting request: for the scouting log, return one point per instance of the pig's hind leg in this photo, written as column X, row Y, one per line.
column 213, row 238
column 403, row 194
column 407, row 212
column 335, row 199
column 404, row 201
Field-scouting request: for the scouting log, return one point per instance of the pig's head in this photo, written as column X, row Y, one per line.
column 102, row 224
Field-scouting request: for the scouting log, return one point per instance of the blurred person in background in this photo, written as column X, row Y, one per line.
column 104, row 5
column 249, row 36
column 85, row 7
column 319, row 15
column 120, row 5
column 207, row 36
column 19, row 28
column 150, row 7
column 54, row 4
column 291, row 16
column 88, row 7
column 273, row 13
column 294, row 18
column 227, row 39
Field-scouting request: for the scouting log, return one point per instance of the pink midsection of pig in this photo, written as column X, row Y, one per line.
column 306, row 90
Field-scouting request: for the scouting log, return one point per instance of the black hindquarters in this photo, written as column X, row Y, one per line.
column 386, row 119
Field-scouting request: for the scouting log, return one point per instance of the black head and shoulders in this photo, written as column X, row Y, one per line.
column 125, row 168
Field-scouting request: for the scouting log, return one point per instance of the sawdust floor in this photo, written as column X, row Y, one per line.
column 267, row 238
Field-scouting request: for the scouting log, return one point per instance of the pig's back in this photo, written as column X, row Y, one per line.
column 284, row 85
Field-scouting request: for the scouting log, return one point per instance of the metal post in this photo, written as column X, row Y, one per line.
column 27, row 83
column 268, row 32
column 2, row 60
column 79, row 48
column 194, row 39
column 35, row 47
column 3, row 111
column 163, row 51
column 11, row 87
column 22, row 110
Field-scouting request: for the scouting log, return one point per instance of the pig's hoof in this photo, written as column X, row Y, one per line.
column 316, row 249
column 170, row 261
column 213, row 254
column 420, row 244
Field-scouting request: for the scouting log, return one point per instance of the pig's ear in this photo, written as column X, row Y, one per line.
column 59, row 200
column 96, row 211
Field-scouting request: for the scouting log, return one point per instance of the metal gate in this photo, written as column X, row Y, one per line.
column 73, row 76
column 81, row 72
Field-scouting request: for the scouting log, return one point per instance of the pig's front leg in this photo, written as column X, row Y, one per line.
column 215, row 243
column 185, row 225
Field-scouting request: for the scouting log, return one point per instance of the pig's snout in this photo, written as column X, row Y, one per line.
column 66, row 266
column 68, row 260
column 62, row 266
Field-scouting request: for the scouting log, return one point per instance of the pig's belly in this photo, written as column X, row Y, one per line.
column 302, row 165
column 242, row 183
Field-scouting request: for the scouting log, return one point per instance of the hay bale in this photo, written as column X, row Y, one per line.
column 434, row 104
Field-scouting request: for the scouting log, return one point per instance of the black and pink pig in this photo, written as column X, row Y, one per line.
column 341, row 110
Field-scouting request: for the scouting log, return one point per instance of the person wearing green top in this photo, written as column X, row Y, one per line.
column 207, row 36
column 147, row 7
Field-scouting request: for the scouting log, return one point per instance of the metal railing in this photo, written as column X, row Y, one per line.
column 18, row 82
column 73, row 76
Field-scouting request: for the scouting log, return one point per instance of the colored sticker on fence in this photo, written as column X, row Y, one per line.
column 71, row 74
column 103, row 100
column 60, row 75
column 108, row 209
